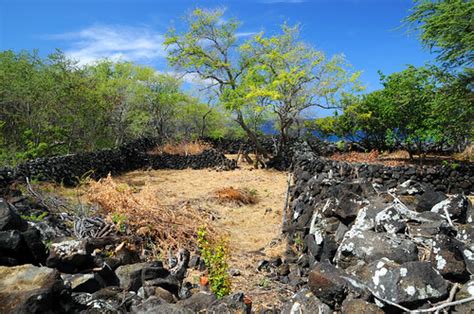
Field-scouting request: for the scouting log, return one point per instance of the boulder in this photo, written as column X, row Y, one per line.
column 410, row 283
column 325, row 281
column 389, row 220
column 198, row 301
column 234, row 303
column 89, row 283
column 36, row 247
column 9, row 219
column 304, row 301
column 428, row 199
column 70, row 256
column 370, row 246
column 458, row 207
column 447, row 257
column 130, row 276
column 31, row 289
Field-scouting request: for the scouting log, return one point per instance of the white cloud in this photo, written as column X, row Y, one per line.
column 113, row 42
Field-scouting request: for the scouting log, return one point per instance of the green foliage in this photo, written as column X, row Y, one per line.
column 416, row 106
column 54, row 106
column 120, row 221
column 446, row 27
column 215, row 254
column 35, row 218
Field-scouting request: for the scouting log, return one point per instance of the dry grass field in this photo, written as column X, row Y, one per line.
column 245, row 205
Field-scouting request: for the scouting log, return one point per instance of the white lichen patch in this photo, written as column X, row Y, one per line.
column 379, row 273
column 410, row 290
column 403, row 272
column 440, row 262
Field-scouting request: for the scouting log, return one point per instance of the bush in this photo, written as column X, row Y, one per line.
column 214, row 252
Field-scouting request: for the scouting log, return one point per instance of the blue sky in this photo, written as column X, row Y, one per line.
column 367, row 31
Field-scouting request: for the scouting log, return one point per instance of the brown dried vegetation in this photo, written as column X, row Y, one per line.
column 236, row 196
column 166, row 226
column 182, row 149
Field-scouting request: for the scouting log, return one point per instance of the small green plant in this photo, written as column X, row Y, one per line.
column 215, row 252
column 264, row 283
column 340, row 145
column 454, row 166
column 119, row 221
column 298, row 242
column 35, row 218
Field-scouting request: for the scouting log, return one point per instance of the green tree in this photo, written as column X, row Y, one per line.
column 446, row 27
column 209, row 48
column 290, row 76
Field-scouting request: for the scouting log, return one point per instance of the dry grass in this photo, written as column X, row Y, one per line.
column 466, row 155
column 167, row 226
column 236, row 196
column 357, row 156
column 183, row 148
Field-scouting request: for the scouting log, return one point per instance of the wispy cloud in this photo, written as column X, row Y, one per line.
column 113, row 42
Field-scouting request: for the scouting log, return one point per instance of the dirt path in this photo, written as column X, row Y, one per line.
column 253, row 230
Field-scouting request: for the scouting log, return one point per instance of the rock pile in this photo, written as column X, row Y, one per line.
column 359, row 246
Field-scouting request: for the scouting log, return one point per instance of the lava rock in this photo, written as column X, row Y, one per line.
column 370, row 246
column 157, row 305
column 408, row 283
column 457, row 206
column 37, row 249
column 89, row 283
column 234, row 303
column 9, row 219
column 389, row 220
column 70, row 256
column 447, row 257
column 130, row 276
column 31, row 289
column 304, row 301
column 325, row 281
column 428, row 199
column 198, row 301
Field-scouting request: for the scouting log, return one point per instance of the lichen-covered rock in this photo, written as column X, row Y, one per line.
column 370, row 246
column 468, row 254
column 466, row 291
column 304, row 301
column 458, row 207
column 31, row 289
column 70, row 256
column 447, row 257
column 389, row 220
column 407, row 283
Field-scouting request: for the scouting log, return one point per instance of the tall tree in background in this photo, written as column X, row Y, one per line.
column 292, row 76
column 447, row 28
column 209, row 48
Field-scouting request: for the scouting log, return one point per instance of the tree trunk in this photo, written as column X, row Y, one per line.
column 252, row 136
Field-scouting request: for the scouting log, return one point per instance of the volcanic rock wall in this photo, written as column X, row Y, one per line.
column 69, row 169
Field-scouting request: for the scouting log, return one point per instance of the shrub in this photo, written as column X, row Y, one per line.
column 214, row 252
column 237, row 196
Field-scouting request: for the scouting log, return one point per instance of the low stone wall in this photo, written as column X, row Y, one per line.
column 447, row 178
column 69, row 169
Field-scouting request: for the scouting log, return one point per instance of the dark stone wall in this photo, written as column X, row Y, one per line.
column 69, row 169
column 310, row 167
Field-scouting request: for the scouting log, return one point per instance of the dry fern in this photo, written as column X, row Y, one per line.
column 169, row 227
column 237, row 196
